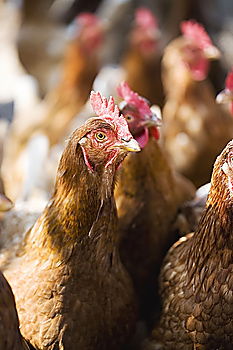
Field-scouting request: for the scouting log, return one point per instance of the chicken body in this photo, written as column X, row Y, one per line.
column 10, row 337
column 195, row 128
column 142, row 60
column 196, row 278
column 71, row 289
column 51, row 118
column 148, row 195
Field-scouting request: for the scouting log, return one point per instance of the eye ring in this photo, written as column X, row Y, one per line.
column 100, row 136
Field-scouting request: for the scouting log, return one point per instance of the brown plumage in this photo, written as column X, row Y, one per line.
column 148, row 195
column 195, row 128
column 10, row 337
column 70, row 287
column 142, row 59
column 52, row 117
column 196, row 279
column 80, row 66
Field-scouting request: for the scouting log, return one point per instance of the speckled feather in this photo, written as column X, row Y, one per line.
column 10, row 337
column 196, row 283
column 148, row 195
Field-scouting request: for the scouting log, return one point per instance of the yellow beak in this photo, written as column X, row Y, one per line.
column 129, row 146
column 212, row 53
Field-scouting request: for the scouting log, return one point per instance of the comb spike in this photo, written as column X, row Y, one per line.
column 145, row 18
column 108, row 111
column 133, row 98
column 196, row 32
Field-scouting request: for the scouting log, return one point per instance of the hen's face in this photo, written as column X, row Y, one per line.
column 194, row 58
column 104, row 146
column 141, row 126
column 197, row 59
column 145, row 39
column 92, row 37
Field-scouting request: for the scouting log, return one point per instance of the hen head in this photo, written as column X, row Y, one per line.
column 107, row 139
column 88, row 30
column 197, row 50
column 226, row 96
column 145, row 33
column 141, row 120
column 222, row 176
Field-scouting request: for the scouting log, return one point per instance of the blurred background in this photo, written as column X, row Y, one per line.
column 52, row 55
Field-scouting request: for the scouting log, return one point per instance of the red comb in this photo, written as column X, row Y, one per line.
column 229, row 81
column 145, row 18
column 108, row 111
column 86, row 19
column 133, row 98
column 196, row 32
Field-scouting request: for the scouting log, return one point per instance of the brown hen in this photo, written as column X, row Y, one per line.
column 142, row 60
column 196, row 279
column 10, row 337
column 148, row 195
column 71, row 290
column 195, row 127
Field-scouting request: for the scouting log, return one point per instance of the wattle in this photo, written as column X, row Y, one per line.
column 200, row 69
column 142, row 138
column 154, row 132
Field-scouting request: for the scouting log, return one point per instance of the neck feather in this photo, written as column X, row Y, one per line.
column 214, row 237
column 81, row 213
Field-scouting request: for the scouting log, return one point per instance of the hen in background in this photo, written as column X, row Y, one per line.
column 191, row 211
column 71, row 288
column 148, row 195
column 41, row 41
column 142, row 59
column 196, row 278
column 195, row 128
column 29, row 143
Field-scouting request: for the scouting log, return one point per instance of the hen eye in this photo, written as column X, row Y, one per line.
column 100, row 136
column 129, row 117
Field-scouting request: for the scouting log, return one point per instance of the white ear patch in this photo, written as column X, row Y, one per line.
column 225, row 168
column 82, row 141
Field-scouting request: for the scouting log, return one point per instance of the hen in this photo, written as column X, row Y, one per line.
column 195, row 128
column 71, row 289
column 196, row 279
column 142, row 60
column 10, row 337
column 80, row 67
column 50, row 120
column 148, row 195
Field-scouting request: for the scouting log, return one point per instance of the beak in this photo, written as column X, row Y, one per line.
column 5, row 203
column 155, row 119
column 224, row 96
column 212, row 53
column 129, row 146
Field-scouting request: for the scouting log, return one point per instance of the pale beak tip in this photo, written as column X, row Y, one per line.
column 212, row 52
column 132, row 146
column 5, row 203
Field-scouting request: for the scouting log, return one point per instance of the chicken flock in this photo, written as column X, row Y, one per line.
column 113, row 232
